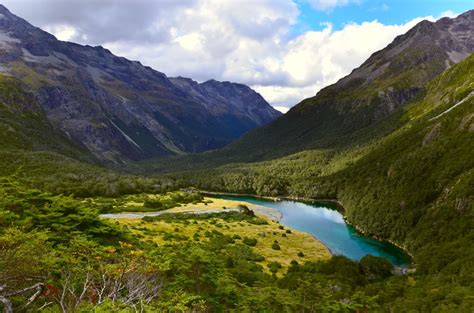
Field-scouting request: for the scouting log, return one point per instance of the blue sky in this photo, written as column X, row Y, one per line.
column 385, row 11
column 287, row 50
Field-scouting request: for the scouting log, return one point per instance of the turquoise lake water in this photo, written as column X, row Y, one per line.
column 328, row 225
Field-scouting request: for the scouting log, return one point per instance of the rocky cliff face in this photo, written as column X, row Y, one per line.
column 119, row 109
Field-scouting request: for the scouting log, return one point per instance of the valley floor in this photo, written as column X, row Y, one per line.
column 290, row 242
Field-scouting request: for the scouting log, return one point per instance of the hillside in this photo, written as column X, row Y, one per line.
column 362, row 106
column 119, row 109
column 413, row 186
column 345, row 112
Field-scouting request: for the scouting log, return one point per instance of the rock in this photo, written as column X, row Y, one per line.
column 461, row 204
column 432, row 134
column 119, row 109
column 467, row 123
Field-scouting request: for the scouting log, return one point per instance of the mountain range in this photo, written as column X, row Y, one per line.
column 84, row 132
column 348, row 111
column 119, row 110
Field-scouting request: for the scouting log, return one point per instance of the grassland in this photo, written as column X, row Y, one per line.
column 291, row 242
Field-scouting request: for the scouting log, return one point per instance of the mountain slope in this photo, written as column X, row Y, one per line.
column 341, row 113
column 413, row 186
column 362, row 106
column 119, row 109
column 24, row 125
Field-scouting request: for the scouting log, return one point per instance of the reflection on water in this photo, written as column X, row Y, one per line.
column 329, row 227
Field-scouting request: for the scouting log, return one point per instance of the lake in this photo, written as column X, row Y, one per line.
column 328, row 226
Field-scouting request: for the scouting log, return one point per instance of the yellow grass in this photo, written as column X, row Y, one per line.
column 265, row 234
column 134, row 204
column 212, row 204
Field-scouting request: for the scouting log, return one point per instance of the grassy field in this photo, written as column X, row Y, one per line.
column 290, row 242
column 207, row 204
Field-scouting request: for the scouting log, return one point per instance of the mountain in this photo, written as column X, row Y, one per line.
column 392, row 142
column 364, row 104
column 413, row 186
column 118, row 109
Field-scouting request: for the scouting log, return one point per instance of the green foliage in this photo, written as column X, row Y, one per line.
column 274, row 266
column 252, row 242
column 231, row 216
column 375, row 268
column 407, row 178
column 152, row 204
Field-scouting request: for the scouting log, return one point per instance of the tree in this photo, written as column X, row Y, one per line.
column 375, row 268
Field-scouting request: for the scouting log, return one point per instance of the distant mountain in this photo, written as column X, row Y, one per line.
column 118, row 109
column 348, row 112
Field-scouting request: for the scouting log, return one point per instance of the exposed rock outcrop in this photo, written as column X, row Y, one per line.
column 119, row 109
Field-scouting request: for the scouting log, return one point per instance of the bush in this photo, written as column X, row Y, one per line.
column 375, row 268
column 274, row 266
column 152, row 204
column 245, row 210
column 301, row 254
column 229, row 262
column 275, row 246
column 252, row 242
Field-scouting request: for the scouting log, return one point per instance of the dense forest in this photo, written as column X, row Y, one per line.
column 413, row 186
column 405, row 176
column 57, row 254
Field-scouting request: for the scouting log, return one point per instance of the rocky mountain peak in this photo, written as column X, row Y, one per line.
column 430, row 46
column 118, row 108
column 374, row 92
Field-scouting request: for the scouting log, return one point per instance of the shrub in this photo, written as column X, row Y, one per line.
column 152, row 204
column 252, row 242
column 274, row 266
column 229, row 262
column 301, row 254
column 375, row 268
column 275, row 246
column 245, row 210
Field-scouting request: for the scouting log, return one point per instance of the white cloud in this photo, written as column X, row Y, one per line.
column 62, row 32
column 192, row 42
column 448, row 13
column 247, row 41
column 327, row 5
column 319, row 58
column 282, row 109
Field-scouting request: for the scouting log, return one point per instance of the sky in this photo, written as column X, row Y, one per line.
column 287, row 50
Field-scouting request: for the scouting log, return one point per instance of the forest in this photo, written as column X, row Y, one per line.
column 407, row 179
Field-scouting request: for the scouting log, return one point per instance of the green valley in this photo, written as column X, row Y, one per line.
column 106, row 207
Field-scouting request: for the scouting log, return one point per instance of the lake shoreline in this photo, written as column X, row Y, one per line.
column 310, row 200
column 275, row 199
column 365, row 233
